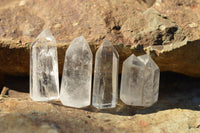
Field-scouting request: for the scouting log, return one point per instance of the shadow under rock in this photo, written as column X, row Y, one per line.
column 17, row 83
column 176, row 91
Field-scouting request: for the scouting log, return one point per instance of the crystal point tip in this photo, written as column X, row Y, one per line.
column 45, row 33
column 148, row 61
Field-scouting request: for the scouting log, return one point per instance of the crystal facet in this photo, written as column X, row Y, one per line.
column 44, row 81
column 140, row 81
column 77, row 74
column 105, row 85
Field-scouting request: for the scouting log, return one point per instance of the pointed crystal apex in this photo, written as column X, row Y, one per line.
column 148, row 61
column 44, row 83
column 107, row 44
column 45, row 33
column 105, row 85
column 77, row 74
column 132, row 60
column 45, row 37
column 81, row 43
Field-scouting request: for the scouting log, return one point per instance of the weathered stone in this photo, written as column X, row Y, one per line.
column 155, row 30
column 16, row 122
column 170, row 36
column 185, row 13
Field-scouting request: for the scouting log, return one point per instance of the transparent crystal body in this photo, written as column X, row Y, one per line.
column 140, row 81
column 44, row 81
column 105, row 84
column 77, row 74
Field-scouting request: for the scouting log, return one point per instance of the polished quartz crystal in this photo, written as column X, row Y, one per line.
column 140, row 81
column 44, row 81
column 105, row 85
column 77, row 74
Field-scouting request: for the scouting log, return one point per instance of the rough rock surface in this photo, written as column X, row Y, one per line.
column 170, row 35
column 185, row 13
column 177, row 111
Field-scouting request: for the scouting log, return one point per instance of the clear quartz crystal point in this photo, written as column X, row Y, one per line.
column 105, row 85
column 44, row 81
column 140, row 81
column 77, row 74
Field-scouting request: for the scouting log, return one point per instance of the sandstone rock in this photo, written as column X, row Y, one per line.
column 16, row 122
column 176, row 120
column 185, row 13
column 19, row 113
column 130, row 25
